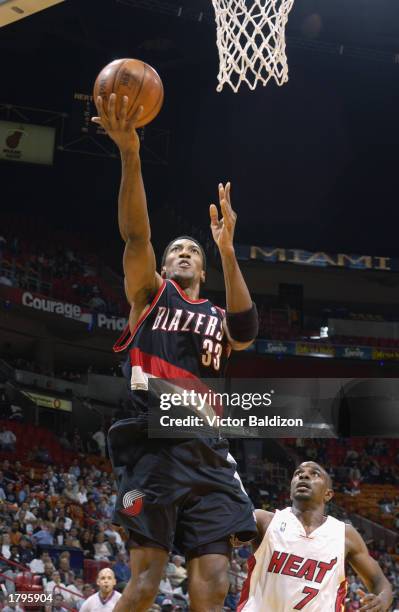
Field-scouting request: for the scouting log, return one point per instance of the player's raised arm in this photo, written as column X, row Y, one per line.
column 141, row 279
column 241, row 316
column 380, row 597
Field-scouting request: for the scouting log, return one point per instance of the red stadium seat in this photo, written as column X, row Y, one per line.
column 91, row 569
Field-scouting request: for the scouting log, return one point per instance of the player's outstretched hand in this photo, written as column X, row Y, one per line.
column 223, row 229
column 119, row 128
column 371, row 602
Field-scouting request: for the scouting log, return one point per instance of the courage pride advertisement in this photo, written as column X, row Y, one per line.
column 42, row 303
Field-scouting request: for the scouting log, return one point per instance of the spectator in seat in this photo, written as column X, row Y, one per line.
column 7, row 440
column 121, row 571
column 104, row 508
column 37, row 565
column 54, row 585
column 14, row 554
column 102, row 548
column 176, row 572
column 113, row 546
column 76, row 596
column 43, row 536
column 43, row 507
column 165, row 587
column 230, row 603
column 64, row 568
column 16, row 533
column 109, row 530
column 5, row 545
column 25, row 551
column 16, row 413
column 70, row 493
column 75, row 469
column 49, row 569
column 77, row 443
column 7, row 473
column 74, row 538
column 88, row 590
column 87, row 546
column 99, row 438
column 385, row 504
column 11, row 497
column 65, row 443
column 24, row 493
column 353, row 604
column 57, row 605
column 60, row 532
column 82, row 493
column 43, row 455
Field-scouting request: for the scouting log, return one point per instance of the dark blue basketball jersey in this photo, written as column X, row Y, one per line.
column 175, row 338
column 190, row 493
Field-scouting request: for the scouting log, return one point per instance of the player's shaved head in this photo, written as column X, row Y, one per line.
column 106, row 571
column 106, row 580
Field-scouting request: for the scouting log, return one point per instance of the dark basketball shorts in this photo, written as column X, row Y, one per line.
column 186, row 492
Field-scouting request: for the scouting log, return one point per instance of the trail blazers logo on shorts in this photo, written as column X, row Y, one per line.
column 133, row 502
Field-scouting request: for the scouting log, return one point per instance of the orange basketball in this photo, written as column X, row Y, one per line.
column 135, row 79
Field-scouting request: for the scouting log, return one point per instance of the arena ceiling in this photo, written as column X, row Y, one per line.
column 313, row 163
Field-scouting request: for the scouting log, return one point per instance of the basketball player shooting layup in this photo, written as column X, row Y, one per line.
column 185, row 492
column 299, row 563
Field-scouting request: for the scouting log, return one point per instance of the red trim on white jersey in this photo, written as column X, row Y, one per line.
column 246, row 586
column 341, row 594
column 119, row 346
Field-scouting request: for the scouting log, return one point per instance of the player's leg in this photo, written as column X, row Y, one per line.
column 143, row 507
column 216, row 509
column 208, row 582
column 147, row 565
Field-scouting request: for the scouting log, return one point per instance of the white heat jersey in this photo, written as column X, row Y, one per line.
column 95, row 604
column 293, row 571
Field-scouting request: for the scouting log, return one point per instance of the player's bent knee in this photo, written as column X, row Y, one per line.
column 140, row 592
column 209, row 594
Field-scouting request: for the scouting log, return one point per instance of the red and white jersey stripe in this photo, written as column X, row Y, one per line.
column 176, row 338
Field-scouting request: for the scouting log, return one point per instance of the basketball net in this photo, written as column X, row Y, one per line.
column 251, row 41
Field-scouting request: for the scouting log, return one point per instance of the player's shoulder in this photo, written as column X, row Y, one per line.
column 88, row 603
column 263, row 519
column 352, row 536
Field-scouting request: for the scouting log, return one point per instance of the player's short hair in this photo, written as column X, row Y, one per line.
column 165, row 253
column 326, row 474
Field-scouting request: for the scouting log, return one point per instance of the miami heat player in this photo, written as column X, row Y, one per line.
column 185, row 492
column 300, row 560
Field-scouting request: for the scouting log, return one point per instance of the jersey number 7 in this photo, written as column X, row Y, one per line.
column 310, row 594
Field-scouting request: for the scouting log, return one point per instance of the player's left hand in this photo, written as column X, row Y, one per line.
column 223, row 229
column 371, row 602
